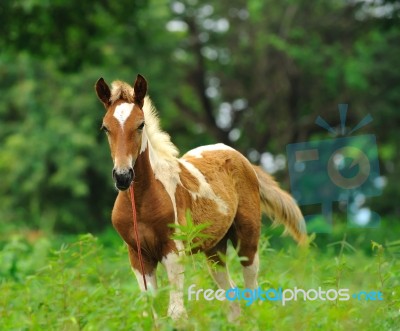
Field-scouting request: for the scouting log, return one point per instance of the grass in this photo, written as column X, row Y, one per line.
column 85, row 283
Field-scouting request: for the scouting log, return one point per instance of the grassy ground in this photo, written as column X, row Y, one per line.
column 85, row 283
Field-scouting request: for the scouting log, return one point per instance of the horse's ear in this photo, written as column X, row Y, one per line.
column 140, row 88
column 103, row 91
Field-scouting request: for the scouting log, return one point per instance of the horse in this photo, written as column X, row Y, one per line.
column 216, row 183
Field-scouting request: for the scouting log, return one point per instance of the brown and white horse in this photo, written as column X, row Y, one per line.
column 216, row 183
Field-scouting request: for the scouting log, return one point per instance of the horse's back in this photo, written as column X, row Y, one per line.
column 203, row 151
column 229, row 174
column 221, row 160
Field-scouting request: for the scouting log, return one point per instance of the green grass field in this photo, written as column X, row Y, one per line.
column 85, row 283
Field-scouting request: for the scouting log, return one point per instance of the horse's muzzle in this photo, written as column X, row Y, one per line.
column 123, row 178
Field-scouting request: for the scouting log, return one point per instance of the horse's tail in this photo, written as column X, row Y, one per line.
column 280, row 207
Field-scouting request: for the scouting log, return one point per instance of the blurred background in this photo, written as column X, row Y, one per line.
column 252, row 74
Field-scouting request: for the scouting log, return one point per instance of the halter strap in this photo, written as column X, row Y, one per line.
column 135, row 228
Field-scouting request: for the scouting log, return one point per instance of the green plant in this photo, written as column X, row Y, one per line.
column 191, row 234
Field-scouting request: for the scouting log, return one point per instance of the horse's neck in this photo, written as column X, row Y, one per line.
column 150, row 167
column 155, row 183
column 143, row 172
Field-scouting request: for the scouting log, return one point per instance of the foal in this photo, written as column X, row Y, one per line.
column 216, row 183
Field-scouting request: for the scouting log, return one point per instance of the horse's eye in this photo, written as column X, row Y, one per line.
column 104, row 128
column 141, row 126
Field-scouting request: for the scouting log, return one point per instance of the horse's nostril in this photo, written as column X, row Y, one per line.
column 123, row 177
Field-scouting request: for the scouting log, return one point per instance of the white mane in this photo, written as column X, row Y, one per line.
column 121, row 90
column 160, row 140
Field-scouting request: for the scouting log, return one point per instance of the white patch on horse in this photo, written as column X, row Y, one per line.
column 197, row 152
column 175, row 272
column 205, row 190
column 167, row 172
column 222, row 278
column 250, row 273
column 151, row 280
column 122, row 112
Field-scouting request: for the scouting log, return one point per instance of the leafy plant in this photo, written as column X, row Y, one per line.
column 191, row 234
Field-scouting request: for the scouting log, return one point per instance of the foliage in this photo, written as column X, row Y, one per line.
column 191, row 234
column 85, row 283
column 54, row 163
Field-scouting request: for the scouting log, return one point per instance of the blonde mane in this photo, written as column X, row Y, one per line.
column 121, row 90
column 159, row 140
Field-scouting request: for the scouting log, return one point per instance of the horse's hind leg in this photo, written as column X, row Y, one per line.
column 220, row 274
column 250, row 273
column 247, row 227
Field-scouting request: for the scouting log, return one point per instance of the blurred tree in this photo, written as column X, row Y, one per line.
column 287, row 63
column 54, row 164
column 261, row 73
column 253, row 74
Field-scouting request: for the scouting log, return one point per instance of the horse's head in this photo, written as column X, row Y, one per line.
column 123, row 124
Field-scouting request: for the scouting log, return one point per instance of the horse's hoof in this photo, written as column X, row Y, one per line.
column 234, row 313
column 177, row 313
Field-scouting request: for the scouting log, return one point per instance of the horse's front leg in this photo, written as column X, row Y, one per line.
column 149, row 270
column 175, row 271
